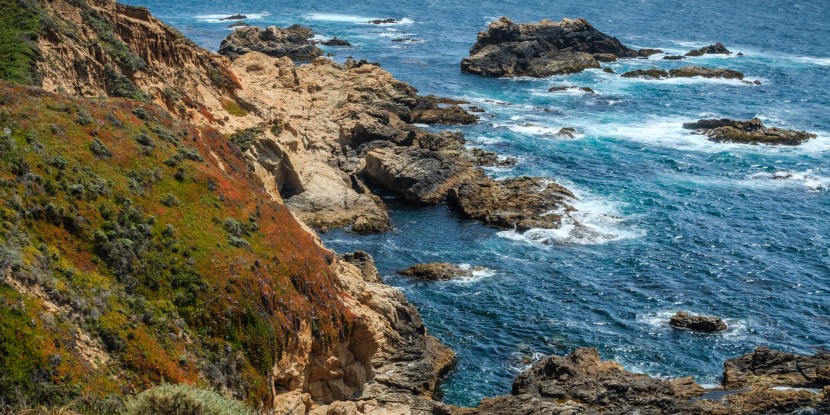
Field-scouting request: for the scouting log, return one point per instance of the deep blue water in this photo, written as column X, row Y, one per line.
column 676, row 222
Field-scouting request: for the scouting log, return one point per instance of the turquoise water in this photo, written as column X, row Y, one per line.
column 676, row 222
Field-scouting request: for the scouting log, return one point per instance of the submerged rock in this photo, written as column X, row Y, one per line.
column 717, row 48
column 748, row 132
column 436, row 271
column 684, row 72
column 607, row 70
column 292, row 42
column 563, row 88
column 237, row 24
column 384, row 21
column 566, row 132
column 704, row 324
column 644, row 53
column 235, row 17
column 543, row 49
column 673, row 57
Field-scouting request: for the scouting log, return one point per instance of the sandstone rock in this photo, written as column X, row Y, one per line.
column 335, row 41
column 365, row 263
column 717, row 48
column 748, row 132
column 435, row 110
column 522, row 203
column 704, row 324
column 436, row 271
column 292, row 42
column 775, row 368
column 539, row 50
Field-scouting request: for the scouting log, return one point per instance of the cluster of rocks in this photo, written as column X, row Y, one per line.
column 273, row 41
column 748, row 132
column 508, row 49
column 716, row 49
column 684, row 72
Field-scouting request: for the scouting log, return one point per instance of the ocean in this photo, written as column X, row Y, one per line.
column 671, row 221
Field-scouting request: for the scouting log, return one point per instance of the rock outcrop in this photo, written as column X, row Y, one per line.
column 706, row 324
column 582, row 383
column 509, row 49
column 748, row 132
column 776, row 368
column 446, row 111
column 716, row 49
column 273, row 41
column 336, row 41
column 684, row 72
column 436, row 271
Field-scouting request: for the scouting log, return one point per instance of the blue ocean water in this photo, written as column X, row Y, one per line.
column 673, row 221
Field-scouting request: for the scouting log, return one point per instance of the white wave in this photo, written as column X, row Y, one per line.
column 530, row 129
column 814, row 60
column 595, row 221
column 221, row 18
column 479, row 273
column 349, row 18
column 695, row 80
column 808, row 179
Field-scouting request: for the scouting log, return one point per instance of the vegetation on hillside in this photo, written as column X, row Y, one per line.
column 137, row 250
column 19, row 26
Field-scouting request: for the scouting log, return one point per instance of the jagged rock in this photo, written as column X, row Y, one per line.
column 486, row 158
column 384, row 21
column 335, row 41
column 547, row 48
column 684, row 72
column 581, row 383
column 704, row 324
column 435, row 110
column 748, row 132
column 644, row 53
column 566, row 132
column 717, row 48
column 292, row 42
column 775, row 368
column 436, row 271
column 673, row 57
column 562, row 88
column 522, row 203
column 236, row 17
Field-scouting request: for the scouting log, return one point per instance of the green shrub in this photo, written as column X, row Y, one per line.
column 99, row 149
column 184, row 400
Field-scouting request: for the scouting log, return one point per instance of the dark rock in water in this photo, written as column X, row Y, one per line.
column 486, row 158
column 704, row 324
column 335, row 41
column 436, row 271
column 434, row 110
column 563, row 88
column 684, row 72
column 740, row 54
column 237, row 24
column 407, row 40
column 566, row 132
column 748, row 132
column 236, row 17
column 673, row 57
column 520, row 203
column 292, row 42
column 607, row 70
column 384, row 21
column 644, row 53
column 473, row 108
column 543, row 49
column 717, row 48
column 776, row 368
column 646, row 73
column 605, row 57
column 691, row 71
column 583, row 384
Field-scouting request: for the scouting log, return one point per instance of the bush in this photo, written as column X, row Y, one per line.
column 170, row 200
column 99, row 149
column 184, row 400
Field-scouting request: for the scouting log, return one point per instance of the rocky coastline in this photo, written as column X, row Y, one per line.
column 318, row 138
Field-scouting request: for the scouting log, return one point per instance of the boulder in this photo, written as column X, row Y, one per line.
column 436, row 271
column 547, row 48
column 566, row 132
column 335, row 41
column 607, row 70
column 717, row 48
column 435, row 110
column 748, row 132
column 563, row 88
column 776, row 368
column 292, row 42
column 520, row 203
column 706, row 324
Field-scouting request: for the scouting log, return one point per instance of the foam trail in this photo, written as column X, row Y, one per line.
column 348, row 18
column 220, row 18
